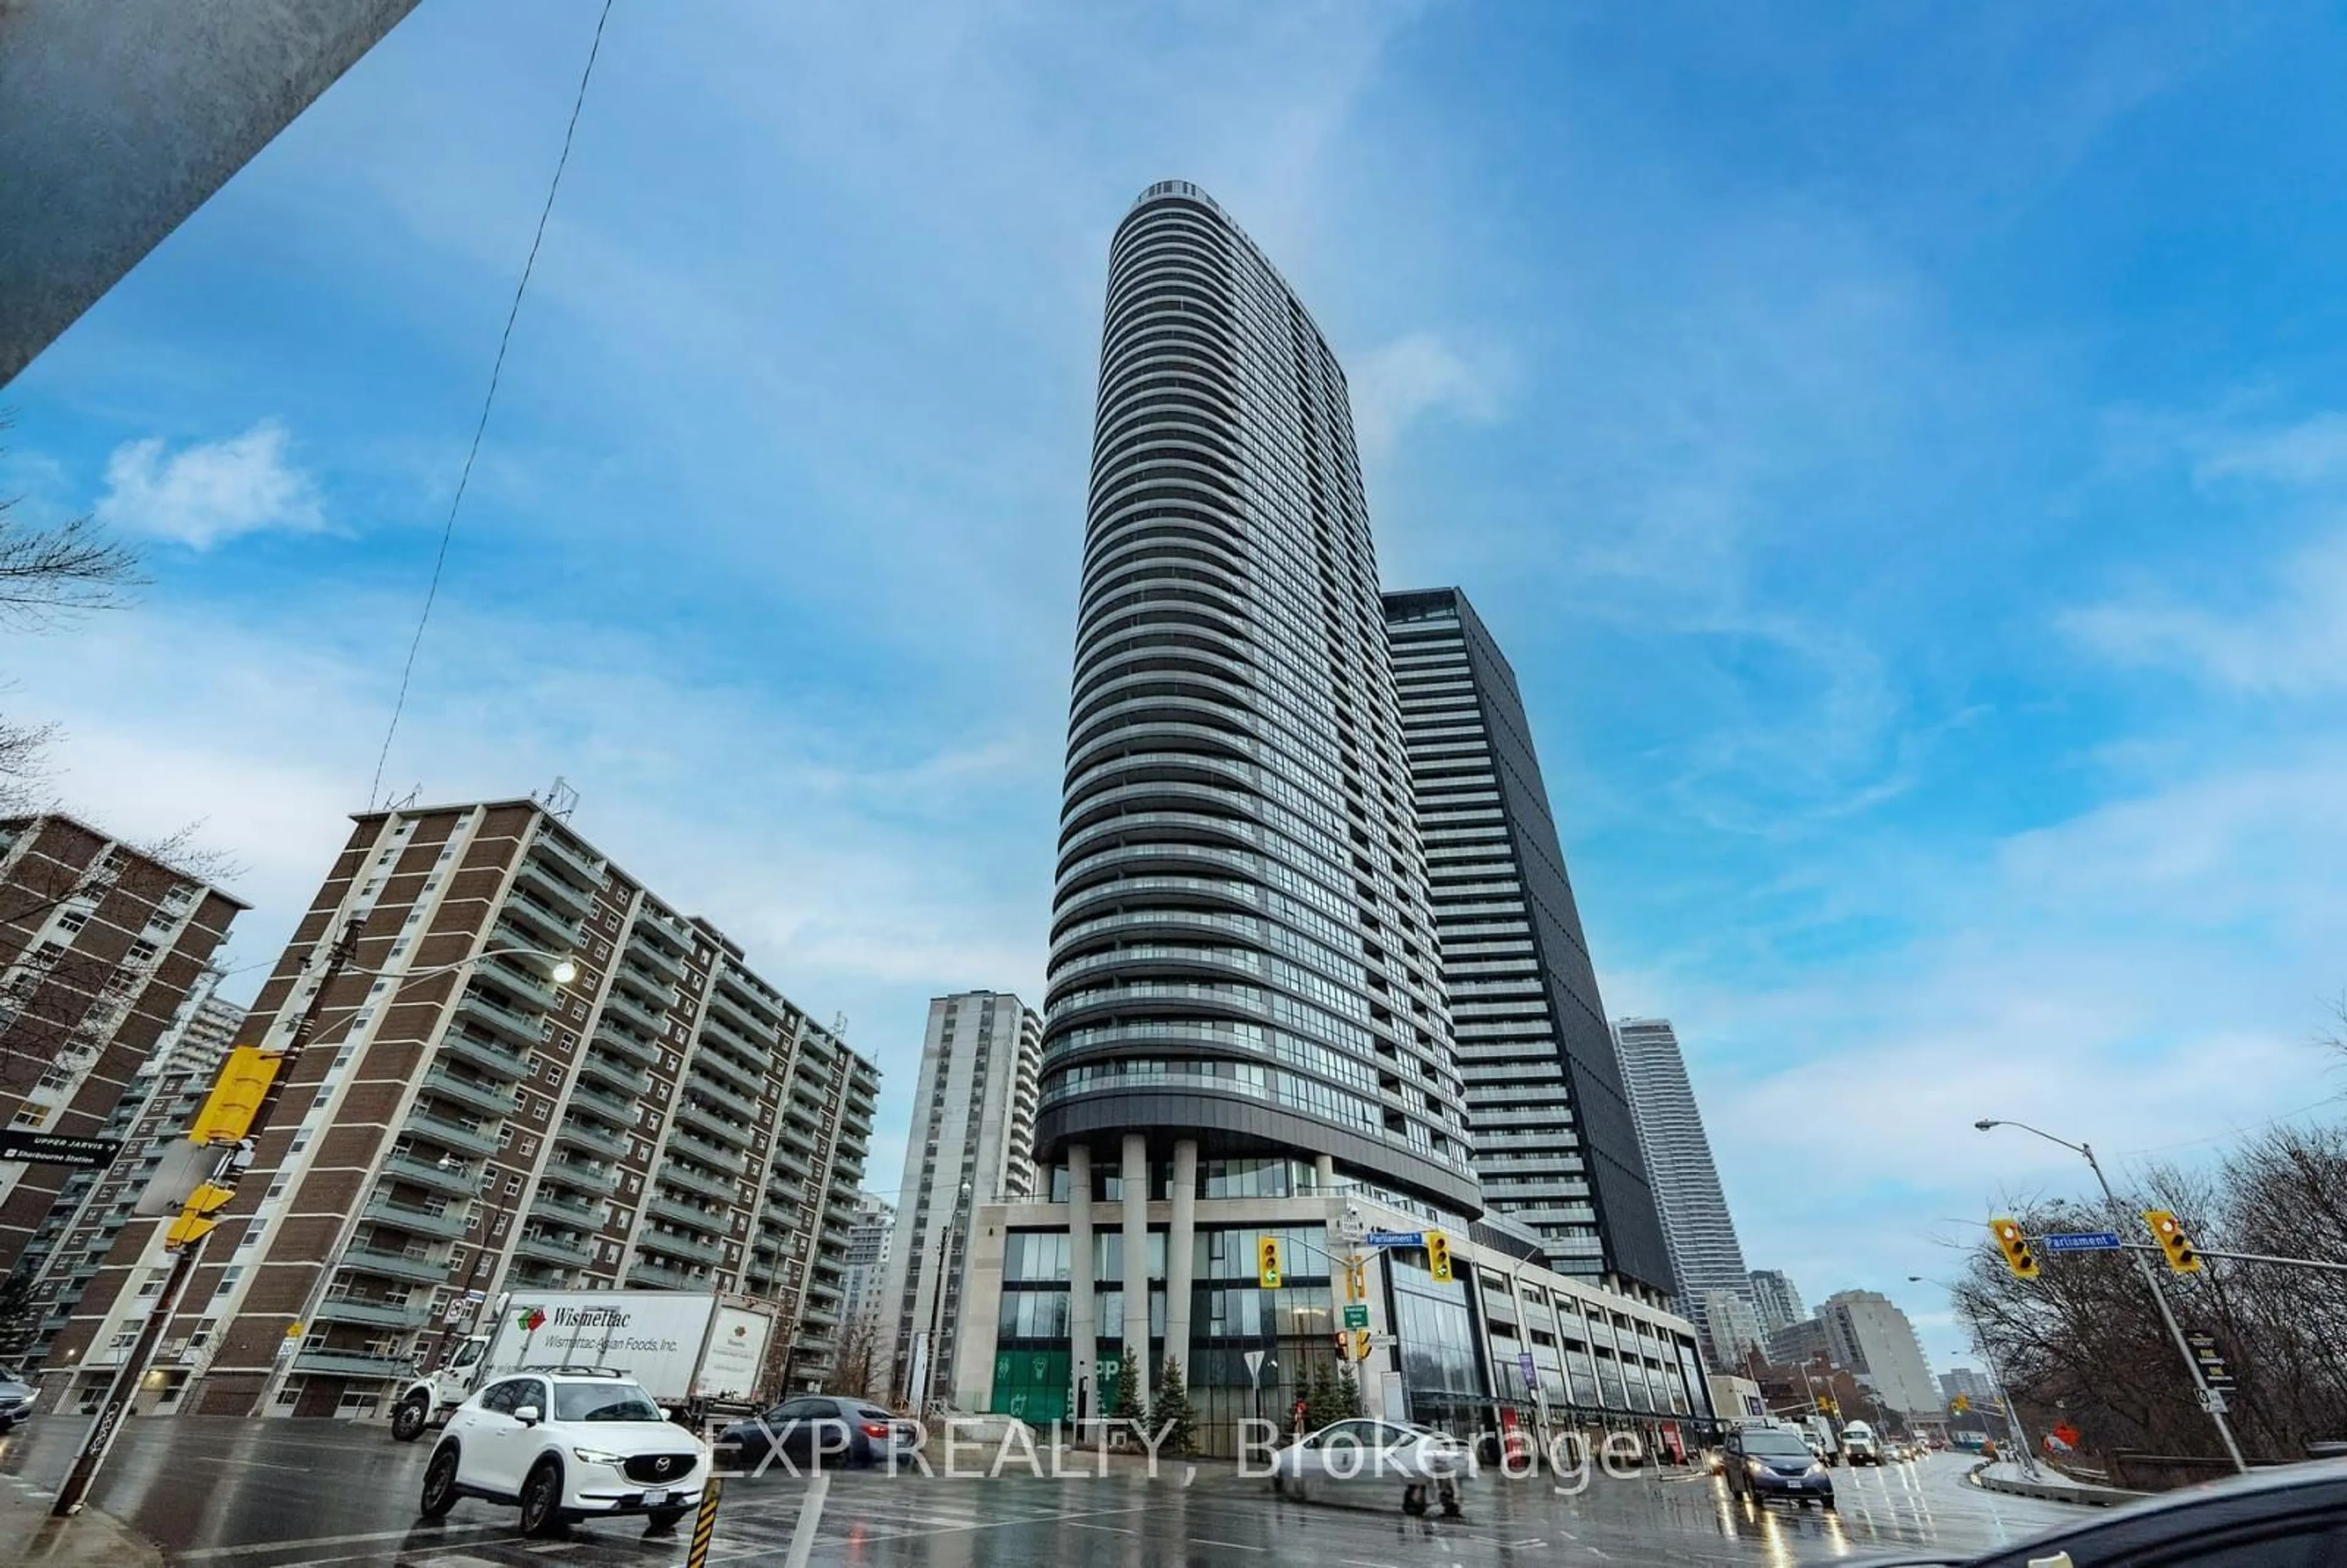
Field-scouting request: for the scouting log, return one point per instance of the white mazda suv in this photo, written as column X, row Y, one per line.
column 567, row 1443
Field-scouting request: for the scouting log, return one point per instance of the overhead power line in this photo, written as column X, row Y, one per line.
column 488, row 399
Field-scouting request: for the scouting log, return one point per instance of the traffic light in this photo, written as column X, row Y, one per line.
column 1266, row 1262
column 1960, row 1403
column 195, row 1218
column 2182, row 1255
column 1360, row 1338
column 236, row 1095
column 2014, row 1241
column 1438, row 1256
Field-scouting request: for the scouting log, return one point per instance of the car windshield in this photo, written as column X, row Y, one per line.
column 1775, row 1445
column 603, row 1402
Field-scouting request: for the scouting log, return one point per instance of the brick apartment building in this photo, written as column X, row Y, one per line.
column 100, row 946
column 461, row 1126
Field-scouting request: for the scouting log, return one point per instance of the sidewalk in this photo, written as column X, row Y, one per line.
column 2006, row 1476
column 88, row 1540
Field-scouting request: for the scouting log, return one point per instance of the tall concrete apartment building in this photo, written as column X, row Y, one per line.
column 100, row 947
column 1705, row 1253
column 156, row 1109
column 1245, row 1032
column 867, row 1258
column 1870, row 1335
column 972, row 1141
column 1732, row 1328
column 1969, row 1383
column 1556, row 1143
column 1776, row 1300
column 460, row 1126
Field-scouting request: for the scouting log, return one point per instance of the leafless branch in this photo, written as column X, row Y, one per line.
column 47, row 574
column 24, row 765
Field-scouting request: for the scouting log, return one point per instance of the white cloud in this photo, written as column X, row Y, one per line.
column 2292, row 643
column 2146, row 975
column 210, row 492
column 1418, row 374
column 865, row 862
column 2309, row 453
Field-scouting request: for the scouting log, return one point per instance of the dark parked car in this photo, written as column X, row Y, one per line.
column 840, row 1429
column 1763, row 1463
column 2291, row 1516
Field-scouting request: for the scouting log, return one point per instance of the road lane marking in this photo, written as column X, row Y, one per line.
column 1233, row 1546
column 261, row 1548
column 251, row 1463
column 1083, row 1524
column 438, row 1559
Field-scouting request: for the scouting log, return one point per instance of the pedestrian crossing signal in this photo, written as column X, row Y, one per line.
column 2014, row 1241
column 2169, row 1232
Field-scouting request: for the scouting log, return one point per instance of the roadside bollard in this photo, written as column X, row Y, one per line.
column 704, row 1524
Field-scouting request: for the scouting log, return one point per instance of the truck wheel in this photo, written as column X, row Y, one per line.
column 408, row 1418
column 541, row 1498
column 440, row 1484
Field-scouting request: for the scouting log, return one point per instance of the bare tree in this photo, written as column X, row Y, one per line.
column 853, row 1363
column 24, row 765
column 47, row 574
column 2085, row 1342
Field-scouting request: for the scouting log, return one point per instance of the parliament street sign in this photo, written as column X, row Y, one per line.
column 1394, row 1238
column 57, row 1149
column 2082, row 1241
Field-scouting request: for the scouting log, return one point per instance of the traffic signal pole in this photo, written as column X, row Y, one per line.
column 233, row 1158
column 2210, row 1400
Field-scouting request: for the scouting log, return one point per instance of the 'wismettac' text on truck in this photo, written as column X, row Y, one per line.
column 685, row 1349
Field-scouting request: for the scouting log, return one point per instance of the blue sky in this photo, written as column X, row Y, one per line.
column 1900, row 451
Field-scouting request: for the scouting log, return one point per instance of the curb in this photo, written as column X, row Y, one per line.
column 33, row 1535
column 2050, row 1491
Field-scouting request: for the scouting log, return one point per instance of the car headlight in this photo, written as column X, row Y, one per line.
column 1754, row 1467
column 597, row 1456
column 1816, row 1469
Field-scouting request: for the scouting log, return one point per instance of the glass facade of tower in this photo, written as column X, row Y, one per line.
column 1244, row 950
column 1555, row 1143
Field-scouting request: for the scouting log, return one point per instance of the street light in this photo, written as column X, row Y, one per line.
column 2209, row 1400
column 1996, row 1381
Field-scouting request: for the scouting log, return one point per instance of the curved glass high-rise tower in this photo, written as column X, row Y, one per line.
column 1243, row 962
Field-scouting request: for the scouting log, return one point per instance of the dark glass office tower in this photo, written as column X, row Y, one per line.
column 1555, row 1144
column 1244, row 959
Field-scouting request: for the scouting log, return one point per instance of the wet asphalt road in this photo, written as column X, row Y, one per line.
column 216, row 1493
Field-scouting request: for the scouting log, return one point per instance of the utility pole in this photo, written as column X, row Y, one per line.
column 934, row 1361
column 2210, row 1400
column 188, row 1232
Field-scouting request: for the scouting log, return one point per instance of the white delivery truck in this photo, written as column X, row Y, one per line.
column 687, row 1349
